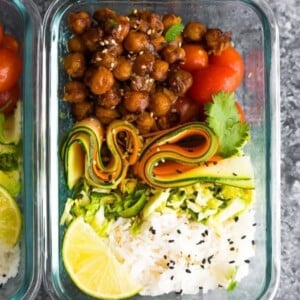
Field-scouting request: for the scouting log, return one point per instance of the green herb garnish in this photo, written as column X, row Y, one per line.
column 112, row 23
column 223, row 118
column 173, row 32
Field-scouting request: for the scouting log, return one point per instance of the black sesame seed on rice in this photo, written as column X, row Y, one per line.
column 209, row 259
column 172, row 277
column 243, row 237
column 247, row 261
column 171, row 241
column 188, row 271
column 178, row 231
column 253, row 242
column 231, row 262
column 232, row 249
column 200, row 242
column 165, row 256
column 179, row 292
column 236, row 219
column 203, row 261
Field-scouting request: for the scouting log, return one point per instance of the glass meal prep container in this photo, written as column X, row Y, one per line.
column 255, row 35
column 22, row 20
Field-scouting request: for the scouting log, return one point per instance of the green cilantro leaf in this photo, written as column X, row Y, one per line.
column 224, row 120
column 112, row 23
column 174, row 31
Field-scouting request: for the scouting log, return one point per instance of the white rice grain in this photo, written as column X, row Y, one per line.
column 9, row 262
column 172, row 254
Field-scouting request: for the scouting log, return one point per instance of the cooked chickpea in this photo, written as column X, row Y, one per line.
column 74, row 64
column 91, row 38
column 79, row 22
column 158, row 42
column 106, row 115
column 170, row 20
column 142, row 83
column 164, row 123
column 143, row 64
column 217, row 41
column 103, row 15
column 160, row 70
column 136, row 101
column 99, row 80
column 160, row 104
column 110, row 99
column 170, row 94
column 180, row 81
column 136, row 41
column 194, row 31
column 81, row 110
column 104, row 59
column 75, row 92
column 75, row 44
column 115, row 49
column 155, row 23
column 173, row 53
column 178, row 41
column 120, row 28
column 123, row 70
column 145, row 122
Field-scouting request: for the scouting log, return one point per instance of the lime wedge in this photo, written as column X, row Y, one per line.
column 10, row 219
column 92, row 266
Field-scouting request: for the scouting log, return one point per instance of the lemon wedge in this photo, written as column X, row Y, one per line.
column 92, row 266
column 10, row 219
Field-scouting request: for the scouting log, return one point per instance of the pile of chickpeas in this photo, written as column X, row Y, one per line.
column 122, row 67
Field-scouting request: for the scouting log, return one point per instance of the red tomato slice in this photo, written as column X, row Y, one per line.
column 8, row 99
column 10, row 69
column 195, row 57
column 230, row 58
column 212, row 80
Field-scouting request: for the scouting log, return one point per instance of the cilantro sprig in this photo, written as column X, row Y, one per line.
column 223, row 118
column 174, row 31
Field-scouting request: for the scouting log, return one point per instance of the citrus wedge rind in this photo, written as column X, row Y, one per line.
column 92, row 266
column 10, row 219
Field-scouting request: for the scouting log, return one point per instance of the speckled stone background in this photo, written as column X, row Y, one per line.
column 287, row 13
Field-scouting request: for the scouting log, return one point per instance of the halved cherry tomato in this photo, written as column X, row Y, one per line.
column 8, row 99
column 240, row 112
column 1, row 33
column 211, row 80
column 229, row 58
column 10, row 43
column 195, row 57
column 10, row 69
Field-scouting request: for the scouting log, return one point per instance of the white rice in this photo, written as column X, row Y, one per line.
column 9, row 262
column 171, row 254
